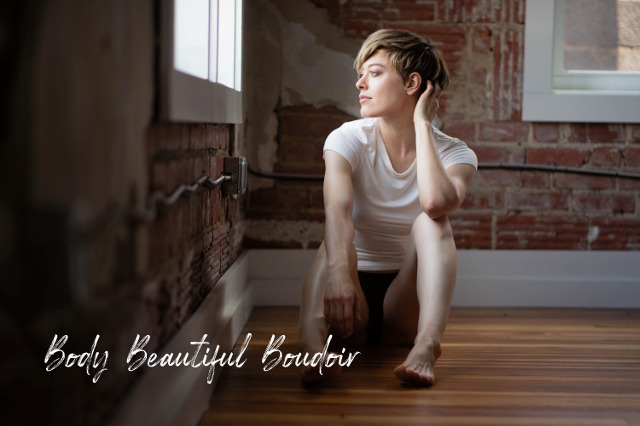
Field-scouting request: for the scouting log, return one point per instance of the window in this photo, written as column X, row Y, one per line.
column 202, row 61
column 577, row 68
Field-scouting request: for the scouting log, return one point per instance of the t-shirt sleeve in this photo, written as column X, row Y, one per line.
column 456, row 151
column 345, row 144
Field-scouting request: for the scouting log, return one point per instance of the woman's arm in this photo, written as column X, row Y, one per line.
column 441, row 191
column 340, row 300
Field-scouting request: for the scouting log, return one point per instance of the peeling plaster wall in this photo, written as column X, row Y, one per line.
column 296, row 56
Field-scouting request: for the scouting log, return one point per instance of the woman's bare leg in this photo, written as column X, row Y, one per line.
column 314, row 330
column 417, row 304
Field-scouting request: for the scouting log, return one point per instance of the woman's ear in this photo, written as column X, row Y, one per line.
column 413, row 83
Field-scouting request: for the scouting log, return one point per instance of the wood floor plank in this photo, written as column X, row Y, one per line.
column 499, row 367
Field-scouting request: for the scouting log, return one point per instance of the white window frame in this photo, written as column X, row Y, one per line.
column 185, row 98
column 553, row 94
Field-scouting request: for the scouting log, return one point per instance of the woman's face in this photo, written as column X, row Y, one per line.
column 382, row 91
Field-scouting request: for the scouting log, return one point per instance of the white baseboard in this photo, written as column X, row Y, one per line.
column 178, row 396
column 523, row 278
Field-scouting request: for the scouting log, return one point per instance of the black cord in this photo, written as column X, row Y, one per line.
column 487, row 166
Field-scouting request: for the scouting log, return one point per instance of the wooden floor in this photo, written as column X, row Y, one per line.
column 498, row 367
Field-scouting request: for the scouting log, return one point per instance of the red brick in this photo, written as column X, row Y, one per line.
column 481, row 76
column 186, row 171
column 546, row 132
column 361, row 13
column 409, row 11
column 574, row 132
column 541, row 233
column 532, row 201
column 279, row 198
column 453, row 39
column 535, row 180
column 166, row 177
column 616, row 234
column 629, row 184
column 317, row 199
column 471, row 230
column 308, row 125
column 634, row 132
column 481, row 40
column 605, row 133
column 606, row 157
column 206, row 212
column 462, row 131
column 517, row 154
column 561, row 157
column 498, row 177
column 508, row 48
column 298, row 151
column 223, row 136
column 632, row 157
column 217, row 206
column 504, row 131
column 200, row 136
column 576, row 181
column 199, row 166
column 483, row 199
column 358, row 29
column 173, row 136
column 458, row 11
column 218, row 167
column 603, row 203
column 299, row 168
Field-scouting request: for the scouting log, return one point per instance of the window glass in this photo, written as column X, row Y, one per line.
column 226, row 42
column 191, row 40
column 213, row 43
column 602, row 35
column 238, row 78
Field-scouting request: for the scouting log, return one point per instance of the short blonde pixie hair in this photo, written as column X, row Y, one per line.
column 408, row 53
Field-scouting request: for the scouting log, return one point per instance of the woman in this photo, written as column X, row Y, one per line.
column 386, row 270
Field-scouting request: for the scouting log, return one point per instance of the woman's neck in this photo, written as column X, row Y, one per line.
column 398, row 134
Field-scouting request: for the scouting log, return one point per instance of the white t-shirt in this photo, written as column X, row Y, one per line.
column 385, row 203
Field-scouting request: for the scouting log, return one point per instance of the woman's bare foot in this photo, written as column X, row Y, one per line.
column 419, row 365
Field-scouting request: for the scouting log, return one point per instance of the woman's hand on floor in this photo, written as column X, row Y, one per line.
column 341, row 304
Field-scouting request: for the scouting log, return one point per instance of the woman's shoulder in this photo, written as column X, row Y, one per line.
column 453, row 150
column 445, row 141
column 351, row 140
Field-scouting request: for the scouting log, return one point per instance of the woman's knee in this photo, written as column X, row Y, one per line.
column 424, row 226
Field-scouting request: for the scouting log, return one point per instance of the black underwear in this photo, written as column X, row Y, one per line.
column 375, row 286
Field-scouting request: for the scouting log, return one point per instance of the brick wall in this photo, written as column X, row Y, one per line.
column 483, row 44
column 193, row 242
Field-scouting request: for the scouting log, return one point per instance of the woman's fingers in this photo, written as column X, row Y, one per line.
column 340, row 318
column 329, row 314
column 348, row 318
column 356, row 308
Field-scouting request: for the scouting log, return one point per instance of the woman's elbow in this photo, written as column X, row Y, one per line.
column 434, row 212
column 435, row 208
